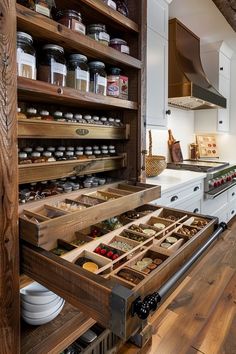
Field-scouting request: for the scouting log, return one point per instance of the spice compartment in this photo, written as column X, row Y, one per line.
column 99, row 264
column 62, row 248
column 136, row 236
column 124, row 244
column 128, row 277
column 172, row 214
column 197, row 222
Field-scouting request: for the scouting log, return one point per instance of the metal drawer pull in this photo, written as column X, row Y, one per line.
column 232, row 212
column 143, row 308
column 174, row 198
column 221, row 68
column 233, row 194
column 195, row 189
column 196, row 211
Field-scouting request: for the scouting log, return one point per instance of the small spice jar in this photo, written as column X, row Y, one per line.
column 58, row 116
column 36, row 157
column 78, row 72
column 59, row 155
column 89, row 154
column 121, row 6
column 26, row 56
column 69, row 117
column 20, row 115
column 45, row 115
column 70, row 148
column 97, row 153
column 105, row 153
column 88, row 118
column 23, row 158
column 118, row 122
column 113, row 82
column 69, row 155
column 32, row 114
column 52, row 149
column 28, row 150
column 111, row 121
column 103, row 120
column 39, row 149
column 80, row 155
column 120, row 45
column 52, row 65
column 79, row 118
column 48, row 156
column 110, row 3
column 61, row 148
column 71, row 19
column 98, row 32
column 98, row 78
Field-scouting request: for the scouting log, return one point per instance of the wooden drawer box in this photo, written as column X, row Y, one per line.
column 44, row 222
column 108, row 295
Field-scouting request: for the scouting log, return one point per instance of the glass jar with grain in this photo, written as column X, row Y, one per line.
column 71, row 19
column 78, row 72
column 98, row 32
column 98, row 78
column 26, row 56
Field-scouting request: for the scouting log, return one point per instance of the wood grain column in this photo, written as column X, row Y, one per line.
column 9, row 249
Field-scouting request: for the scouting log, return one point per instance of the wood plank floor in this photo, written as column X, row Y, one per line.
column 200, row 316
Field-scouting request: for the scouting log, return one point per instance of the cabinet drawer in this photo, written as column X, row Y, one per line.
column 46, row 221
column 193, row 207
column 210, row 206
column 106, row 296
column 222, row 214
column 231, row 194
column 174, row 198
column 224, row 65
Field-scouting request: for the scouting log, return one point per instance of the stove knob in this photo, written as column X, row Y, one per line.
column 215, row 184
column 222, row 181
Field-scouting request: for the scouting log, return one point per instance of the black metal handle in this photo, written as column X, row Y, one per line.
column 232, row 212
column 143, row 308
column 221, row 122
column 174, row 198
column 196, row 188
column 196, row 211
column 221, row 68
column 168, row 112
column 233, row 194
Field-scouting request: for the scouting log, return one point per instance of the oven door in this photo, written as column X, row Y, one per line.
column 219, row 190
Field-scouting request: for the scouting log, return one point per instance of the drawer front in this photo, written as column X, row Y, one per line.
column 231, row 194
column 210, row 206
column 192, row 207
column 232, row 209
column 222, row 214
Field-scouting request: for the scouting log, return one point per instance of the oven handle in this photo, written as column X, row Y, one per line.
column 213, row 196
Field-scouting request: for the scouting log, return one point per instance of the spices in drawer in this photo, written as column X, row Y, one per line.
column 130, row 275
column 107, row 252
column 123, row 246
column 69, row 206
column 159, row 226
column 134, row 237
column 58, row 251
column 88, row 200
column 199, row 222
column 187, row 231
column 132, row 214
column 166, row 245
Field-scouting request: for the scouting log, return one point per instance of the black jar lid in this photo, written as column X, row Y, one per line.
column 70, row 13
column 53, row 47
column 115, row 71
column 78, row 57
column 24, row 36
column 96, row 64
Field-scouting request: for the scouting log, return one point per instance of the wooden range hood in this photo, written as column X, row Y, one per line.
column 189, row 87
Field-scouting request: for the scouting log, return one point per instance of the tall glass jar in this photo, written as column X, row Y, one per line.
column 110, row 3
column 52, row 65
column 71, row 19
column 44, row 7
column 26, row 56
column 78, row 72
column 98, row 32
column 98, row 78
column 121, row 6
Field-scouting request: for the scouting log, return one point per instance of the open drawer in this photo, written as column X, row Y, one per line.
column 130, row 261
column 46, row 221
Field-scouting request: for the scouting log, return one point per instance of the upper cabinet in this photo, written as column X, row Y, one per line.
column 216, row 60
column 157, row 63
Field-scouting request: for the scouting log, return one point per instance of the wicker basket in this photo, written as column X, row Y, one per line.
column 155, row 164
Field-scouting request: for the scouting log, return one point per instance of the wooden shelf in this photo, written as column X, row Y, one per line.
column 29, row 128
column 46, row 171
column 39, row 91
column 43, row 28
column 56, row 335
column 115, row 16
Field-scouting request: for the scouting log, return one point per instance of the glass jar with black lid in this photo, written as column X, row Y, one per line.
column 52, row 65
column 98, row 32
column 26, row 56
column 98, row 78
column 71, row 19
column 78, row 72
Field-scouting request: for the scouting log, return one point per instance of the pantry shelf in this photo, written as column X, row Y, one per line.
column 39, row 91
column 29, row 128
column 43, row 28
column 46, row 171
column 55, row 336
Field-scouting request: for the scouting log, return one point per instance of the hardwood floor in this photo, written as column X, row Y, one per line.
column 200, row 316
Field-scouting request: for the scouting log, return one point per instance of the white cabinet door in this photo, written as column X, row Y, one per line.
column 224, row 65
column 157, row 79
column 223, row 113
column 157, row 19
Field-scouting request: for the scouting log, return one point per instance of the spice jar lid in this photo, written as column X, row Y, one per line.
column 104, row 147
column 87, row 117
column 39, row 149
column 51, row 149
column 61, row 148
column 118, row 41
column 97, row 152
column 95, row 147
column 111, row 120
column 79, row 153
column 78, row 116
column 88, row 152
column 23, row 35
column 96, row 26
column 78, row 57
column 67, row 12
column 88, row 148
column 58, row 153
column 79, row 148
column 69, row 115
column 69, row 153
column 58, row 114
column 47, row 154
column 70, row 148
column 53, row 47
column 115, row 71
column 35, row 154
column 96, row 118
column 103, row 119
column 18, row 110
column 117, row 120
column 111, row 147
column 31, row 110
column 28, row 149
column 44, row 113
column 22, row 155
column 96, row 64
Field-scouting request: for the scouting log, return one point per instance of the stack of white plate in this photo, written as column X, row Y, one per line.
column 39, row 305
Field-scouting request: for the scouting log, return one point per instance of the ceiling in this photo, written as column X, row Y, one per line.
column 204, row 19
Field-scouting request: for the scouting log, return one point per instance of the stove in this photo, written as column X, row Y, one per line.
column 220, row 175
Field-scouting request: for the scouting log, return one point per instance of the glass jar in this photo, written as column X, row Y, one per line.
column 80, row 155
column 105, row 153
column 58, row 116
column 110, row 3
column 78, row 72
column 103, row 120
column 69, row 117
column 89, row 154
column 43, row 7
column 46, row 116
column 32, row 114
column 52, row 65
column 52, row 149
column 79, row 118
column 70, row 148
column 69, row 155
column 113, row 82
column 48, row 156
column 28, row 150
column 23, row 158
column 111, row 121
column 118, row 122
column 26, row 56
column 71, row 19
column 120, row 45
column 36, row 157
column 88, row 118
column 59, row 155
column 20, row 115
column 98, row 32
column 97, row 153
column 98, row 78
column 121, row 6
column 61, row 148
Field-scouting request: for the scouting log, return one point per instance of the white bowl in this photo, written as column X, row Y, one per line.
column 41, row 321
column 42, row 314
column 37, row 294
column 39, row 307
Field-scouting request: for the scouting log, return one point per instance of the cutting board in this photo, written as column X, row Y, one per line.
column 175, row 148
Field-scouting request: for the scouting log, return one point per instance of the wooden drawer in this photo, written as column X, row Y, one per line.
column 106, row 296
column 44, row 222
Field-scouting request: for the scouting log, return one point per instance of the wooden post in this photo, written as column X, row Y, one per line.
column 9, row 248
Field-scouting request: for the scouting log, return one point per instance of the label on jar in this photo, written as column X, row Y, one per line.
column 79, row 27
column 102, row 81
column 124, row 87
column 103, row 36
column 26, row 64
column 43, row 10
column 113, row 88
column 124, row 49
column 82, row 75
column 58, row 68
column 112, row 4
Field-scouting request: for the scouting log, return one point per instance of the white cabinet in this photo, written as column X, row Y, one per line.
column 233, row 100
column 216, row 60
column 157, row 63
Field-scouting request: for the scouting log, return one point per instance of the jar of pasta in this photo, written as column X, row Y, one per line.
column 78, row 72
column 98, row 32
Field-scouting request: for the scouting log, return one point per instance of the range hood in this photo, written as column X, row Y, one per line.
column 189, row 87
